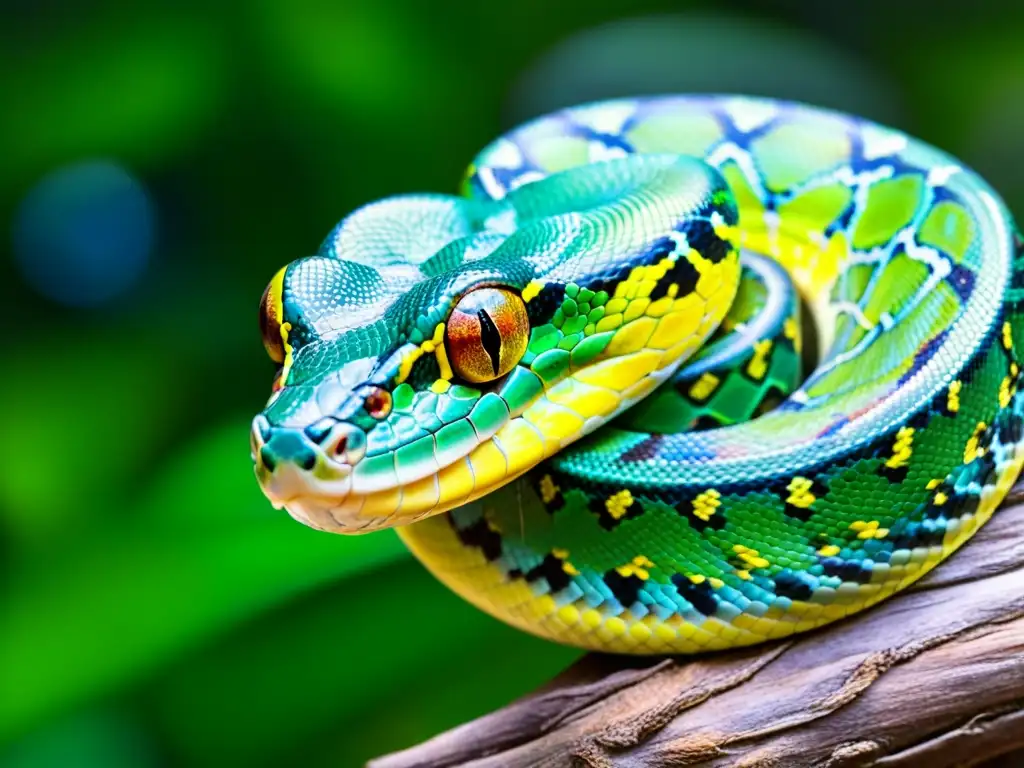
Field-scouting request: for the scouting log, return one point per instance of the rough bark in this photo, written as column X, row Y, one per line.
column 932, row 677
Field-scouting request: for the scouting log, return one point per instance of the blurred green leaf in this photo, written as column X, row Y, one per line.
column 949, row 83
column 202, row 552
column 131, row 92
column 81, row 418
column 628, row 56
column 391, row 104
column 982, row 124
column 380, row 660
column 89, row 739
column 360, row 60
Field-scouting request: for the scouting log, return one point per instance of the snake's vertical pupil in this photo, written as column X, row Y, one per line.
column 490, row 338
column 487, row 333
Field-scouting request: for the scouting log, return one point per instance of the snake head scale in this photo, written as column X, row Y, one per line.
column 427, row 350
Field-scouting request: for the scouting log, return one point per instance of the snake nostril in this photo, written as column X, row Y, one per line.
column 347, row 444
column 341, row 446
column 308, row 461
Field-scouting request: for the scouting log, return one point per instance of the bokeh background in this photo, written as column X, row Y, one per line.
column 158, row 162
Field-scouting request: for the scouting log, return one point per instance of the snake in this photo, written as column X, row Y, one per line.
column 670, row 375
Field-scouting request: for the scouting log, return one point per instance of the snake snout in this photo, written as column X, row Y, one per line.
column 315, row 460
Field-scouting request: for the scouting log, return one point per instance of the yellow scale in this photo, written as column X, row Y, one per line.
column 466, row 570
column 650, row 340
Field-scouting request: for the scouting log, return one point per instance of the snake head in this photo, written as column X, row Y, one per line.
column 437, row 348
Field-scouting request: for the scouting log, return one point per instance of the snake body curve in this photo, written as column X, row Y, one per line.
column 587, row 492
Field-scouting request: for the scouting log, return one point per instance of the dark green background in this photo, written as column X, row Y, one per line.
column 155, row 609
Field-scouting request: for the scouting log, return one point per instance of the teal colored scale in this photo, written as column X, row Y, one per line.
column 786, row 475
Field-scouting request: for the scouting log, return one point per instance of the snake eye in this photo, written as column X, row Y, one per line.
column 487, row 334
column 377, row 402
column 271, row 313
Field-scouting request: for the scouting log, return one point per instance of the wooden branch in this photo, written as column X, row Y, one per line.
column 931, row 677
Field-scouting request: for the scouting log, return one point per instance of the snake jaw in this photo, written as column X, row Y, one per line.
column 387, row 490
column 317, row 461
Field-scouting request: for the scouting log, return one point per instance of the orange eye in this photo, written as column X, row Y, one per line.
column 271, row 313
column 487, row 334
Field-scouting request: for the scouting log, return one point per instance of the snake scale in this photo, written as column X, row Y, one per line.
column 672, row 374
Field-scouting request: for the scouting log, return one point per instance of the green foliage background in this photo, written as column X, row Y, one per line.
column 155, row 609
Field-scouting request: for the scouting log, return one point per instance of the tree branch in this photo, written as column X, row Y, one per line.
column 931, row 677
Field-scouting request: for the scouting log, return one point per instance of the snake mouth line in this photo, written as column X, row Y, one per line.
column 509, row 448
column 363, row 510
column 302, row 471
column 383, row 491
column 554, row 403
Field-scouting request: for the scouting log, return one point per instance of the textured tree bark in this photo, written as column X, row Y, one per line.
column 931, row 677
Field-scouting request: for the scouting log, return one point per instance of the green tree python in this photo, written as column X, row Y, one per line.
column 578, row 390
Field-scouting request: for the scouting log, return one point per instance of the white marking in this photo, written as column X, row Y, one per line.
column 506, row 155
column 525, row 178
column 817, row 237
column 844, row 175
column 727, row 151
column 855, row 311
column 879, row 142
column 609, row 117
column 861, row 184
column 939, row 269
column 597, row 151
column 938, row 175
column 680, row 241
column 800, row 396
column 491, row 185
column 772, row 221
column 749, row 114
column 296, row 511
column 939, row 266
column 472, row 472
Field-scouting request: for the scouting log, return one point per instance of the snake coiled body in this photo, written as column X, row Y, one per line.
column 577, row 389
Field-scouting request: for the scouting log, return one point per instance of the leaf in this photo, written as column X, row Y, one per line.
column 199, row 554
column 367, row 665
column 81, row 418
column 101, row 738
column 135, row 94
